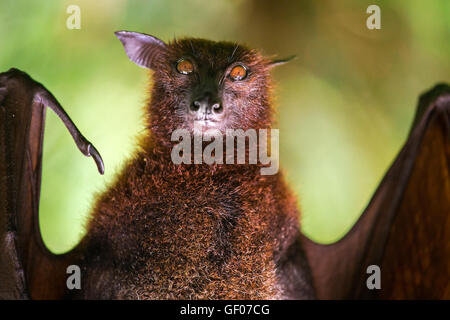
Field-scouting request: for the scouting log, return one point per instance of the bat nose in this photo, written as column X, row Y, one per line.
column 206, row 106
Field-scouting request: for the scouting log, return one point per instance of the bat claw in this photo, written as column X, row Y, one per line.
column 92, row 152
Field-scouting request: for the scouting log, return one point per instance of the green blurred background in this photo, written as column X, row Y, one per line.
column 345, row 105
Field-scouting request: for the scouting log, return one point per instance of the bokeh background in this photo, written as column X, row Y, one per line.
column 344, row 106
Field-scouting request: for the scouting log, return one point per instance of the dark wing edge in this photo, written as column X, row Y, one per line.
column 27, row 268
column 405, row 229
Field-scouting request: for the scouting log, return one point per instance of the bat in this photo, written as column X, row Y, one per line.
column 189, row 228
column 405, row 229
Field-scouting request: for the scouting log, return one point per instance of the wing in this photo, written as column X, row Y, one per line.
column 405, row 229
column 27, row 268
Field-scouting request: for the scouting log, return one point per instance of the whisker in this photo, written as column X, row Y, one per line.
column 234, row 51
column 192, row 48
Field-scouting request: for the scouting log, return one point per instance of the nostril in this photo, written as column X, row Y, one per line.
column 217, row 108
column 195, row 106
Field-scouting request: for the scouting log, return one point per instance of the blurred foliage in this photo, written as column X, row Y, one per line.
column 345, row 105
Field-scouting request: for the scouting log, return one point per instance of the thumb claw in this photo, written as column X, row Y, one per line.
column 92, row 151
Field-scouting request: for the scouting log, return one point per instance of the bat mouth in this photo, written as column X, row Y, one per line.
column 205, row 124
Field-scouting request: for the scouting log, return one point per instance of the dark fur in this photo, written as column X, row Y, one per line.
column 166, row 231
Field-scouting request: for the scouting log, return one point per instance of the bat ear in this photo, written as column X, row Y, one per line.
column 279, row 62
column 141, row 48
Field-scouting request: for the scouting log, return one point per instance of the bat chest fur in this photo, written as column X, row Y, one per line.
column 192, row 237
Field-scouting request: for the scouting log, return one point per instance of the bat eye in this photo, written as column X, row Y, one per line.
column 184, row 66
column 238, row 72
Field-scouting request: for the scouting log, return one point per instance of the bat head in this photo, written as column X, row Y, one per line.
column 201, row 84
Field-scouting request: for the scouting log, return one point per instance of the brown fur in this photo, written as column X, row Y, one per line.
column 166, row 231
